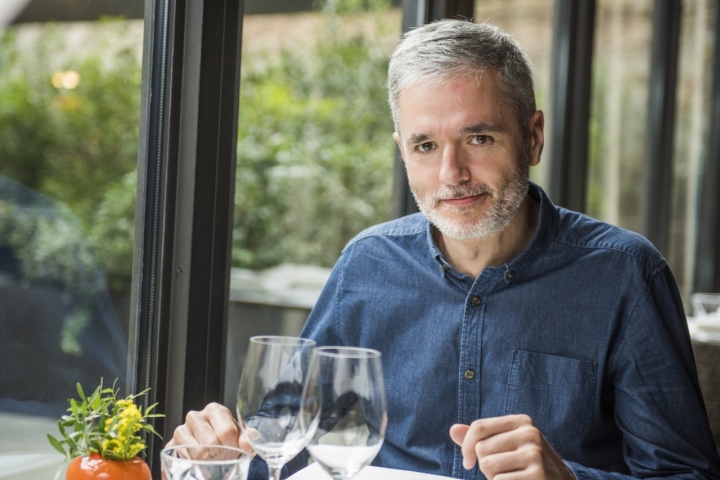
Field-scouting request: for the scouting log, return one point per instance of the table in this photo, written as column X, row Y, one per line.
column 706, row 348
column 315, row 472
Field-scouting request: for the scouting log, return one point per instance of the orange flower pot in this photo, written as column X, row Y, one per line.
column 96, row 468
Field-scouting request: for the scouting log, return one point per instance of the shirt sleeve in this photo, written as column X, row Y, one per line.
column 658, row 402
column 323, row 324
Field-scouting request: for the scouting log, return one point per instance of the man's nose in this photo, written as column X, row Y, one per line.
column 453, row 168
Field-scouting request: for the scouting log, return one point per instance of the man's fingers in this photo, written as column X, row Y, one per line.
column 457, row 433
column 214, row 425
column 223, row 425
column 509, row 448
column 483, row 429
column 182, row 436
column 498, row 463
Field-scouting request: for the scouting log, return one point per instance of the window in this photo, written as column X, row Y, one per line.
column 69, row 118
column 621, row 68
column 618, row 127
column 693, row 104
column 315, row 159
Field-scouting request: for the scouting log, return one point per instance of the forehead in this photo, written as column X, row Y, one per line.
column 454, row 102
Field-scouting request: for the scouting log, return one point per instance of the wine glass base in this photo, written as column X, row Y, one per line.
column 342, row 474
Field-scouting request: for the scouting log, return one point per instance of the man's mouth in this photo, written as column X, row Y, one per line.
column 462, row 201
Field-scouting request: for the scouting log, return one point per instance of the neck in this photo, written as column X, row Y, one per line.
column 472, row 256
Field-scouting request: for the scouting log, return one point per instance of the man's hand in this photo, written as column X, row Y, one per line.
column 214, row 425
column 509, row 447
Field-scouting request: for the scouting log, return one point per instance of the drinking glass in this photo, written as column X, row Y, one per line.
column 706, row 305
column 269, row 399
column 204, row 462
column 346, row 385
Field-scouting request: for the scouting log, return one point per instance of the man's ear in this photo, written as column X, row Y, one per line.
column 536, row 134
column 398, row 140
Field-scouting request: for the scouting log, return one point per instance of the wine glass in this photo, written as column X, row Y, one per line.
column 204, row 462
column 346, row 385
column 269, row 399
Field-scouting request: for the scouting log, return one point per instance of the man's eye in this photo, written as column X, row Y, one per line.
column 425, row 147
column 481, row 139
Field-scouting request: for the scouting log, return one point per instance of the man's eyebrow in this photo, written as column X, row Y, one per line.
column 482, row 127
column 477, row 128
column 418, row 138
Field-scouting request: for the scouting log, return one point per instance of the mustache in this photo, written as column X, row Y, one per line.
column 460, row 191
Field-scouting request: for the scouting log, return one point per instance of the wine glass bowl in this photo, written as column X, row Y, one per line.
column 269, row 399
column 346, row 385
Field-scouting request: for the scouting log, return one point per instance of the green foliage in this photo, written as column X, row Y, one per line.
column 349, row 6
column 104, row 425
column 315, row 153
column 76, row 146
column 113, row 231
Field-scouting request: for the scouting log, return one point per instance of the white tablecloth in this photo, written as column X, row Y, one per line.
column 315, row 472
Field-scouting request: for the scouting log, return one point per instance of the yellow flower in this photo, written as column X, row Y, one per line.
column 122, row 429
column 102, row 423
column 111, row 445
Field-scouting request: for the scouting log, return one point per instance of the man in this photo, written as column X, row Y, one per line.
column 546, row 344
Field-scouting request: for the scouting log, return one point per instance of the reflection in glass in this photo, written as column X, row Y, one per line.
column 59, row 326
column 68, row 151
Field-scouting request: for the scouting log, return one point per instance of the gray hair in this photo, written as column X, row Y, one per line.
column 449, row 49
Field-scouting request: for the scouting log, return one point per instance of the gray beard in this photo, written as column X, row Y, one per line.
column 506, row 202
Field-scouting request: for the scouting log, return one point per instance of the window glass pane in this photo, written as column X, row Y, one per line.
column 70, row 90
column 530, row 22
column 315, row 158
column 619, row 120
column 618, row 111
column 697, row 35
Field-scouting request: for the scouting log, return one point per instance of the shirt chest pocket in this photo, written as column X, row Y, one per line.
column 556, row 392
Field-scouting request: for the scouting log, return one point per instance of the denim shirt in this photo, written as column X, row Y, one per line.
column 584, row 331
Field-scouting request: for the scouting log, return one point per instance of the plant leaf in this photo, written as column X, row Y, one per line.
column 56, row 444
column 150, row 429
column 80, row 390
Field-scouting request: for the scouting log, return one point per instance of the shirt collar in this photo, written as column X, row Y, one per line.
column 547, row 227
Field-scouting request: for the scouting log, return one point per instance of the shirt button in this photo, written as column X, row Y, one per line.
column 510, row 275
column 475, row 301
column 469, row 374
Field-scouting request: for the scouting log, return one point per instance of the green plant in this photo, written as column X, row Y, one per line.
column 315, row 152
column 105, row 425
column 75, row 146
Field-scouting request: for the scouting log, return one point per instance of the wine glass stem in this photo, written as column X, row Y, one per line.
column 275, row 473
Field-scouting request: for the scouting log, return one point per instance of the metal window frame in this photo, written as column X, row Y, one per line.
column 707, row 253
column 572, row 53
column 186, row 171
column 661, row 123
